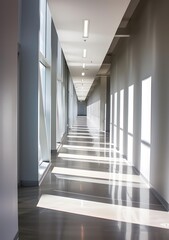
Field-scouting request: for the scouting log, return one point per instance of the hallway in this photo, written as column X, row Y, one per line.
column 90, row 193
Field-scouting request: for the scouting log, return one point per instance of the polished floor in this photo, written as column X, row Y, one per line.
column 91, row 193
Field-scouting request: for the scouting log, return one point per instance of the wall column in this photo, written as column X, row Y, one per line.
column 8, row 119
column 29, row 71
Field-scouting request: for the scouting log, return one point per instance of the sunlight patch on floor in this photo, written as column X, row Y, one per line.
column 81, row 137
column 110, row 182
column 101, row 143
column 113, row 212
column 101, row 149
column 86, row 134
column 97, row 158
column 95, row 161
column 98, row 174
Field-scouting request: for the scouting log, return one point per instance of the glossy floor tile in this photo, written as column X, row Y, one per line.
column 91, row 193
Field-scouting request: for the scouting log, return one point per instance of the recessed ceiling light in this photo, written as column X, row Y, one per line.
column 84, row 65
column 83, row 73
column 84, row 53
column 86, row 29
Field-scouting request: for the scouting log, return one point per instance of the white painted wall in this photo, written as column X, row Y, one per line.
column 146, row 55
column 8, row 119
column 96, row 105
column 93, row 107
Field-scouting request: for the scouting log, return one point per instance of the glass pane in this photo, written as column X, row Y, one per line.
column 42, row 37
column 43, row 84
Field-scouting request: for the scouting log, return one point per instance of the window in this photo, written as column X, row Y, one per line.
column 44, row 83
column 42, row 34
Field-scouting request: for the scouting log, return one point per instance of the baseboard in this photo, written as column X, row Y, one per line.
column 16, row 236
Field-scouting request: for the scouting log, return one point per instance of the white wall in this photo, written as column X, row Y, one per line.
column 93, row 106
column 96, row 105
column 145, row 55
column 8, row 119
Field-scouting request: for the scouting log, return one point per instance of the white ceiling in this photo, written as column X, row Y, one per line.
column 104, row 16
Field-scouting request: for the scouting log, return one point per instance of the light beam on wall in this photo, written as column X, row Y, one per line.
column 130, row 123
column 146, row 128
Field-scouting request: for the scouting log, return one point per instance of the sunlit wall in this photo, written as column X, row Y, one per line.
column 130, row 123
column 146, row 128
column 97, row 112
column 139, row 68
column 93, row 107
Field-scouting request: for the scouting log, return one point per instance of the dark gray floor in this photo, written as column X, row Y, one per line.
column 44, row 224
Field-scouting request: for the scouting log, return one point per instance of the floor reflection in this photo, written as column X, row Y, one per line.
column 91, row 193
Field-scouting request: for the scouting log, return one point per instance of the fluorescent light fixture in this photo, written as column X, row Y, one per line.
column 84, row 53
column 83, row 73
column 86, row 29
column 84, row 65
column 122, row 35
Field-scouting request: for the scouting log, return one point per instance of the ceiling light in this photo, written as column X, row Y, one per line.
column 83, row 73
column 84, row 65
column 86, row 29
column 84, row 53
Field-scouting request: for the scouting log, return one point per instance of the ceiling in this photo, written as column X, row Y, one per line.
column 104, row 17
column 122, row 32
